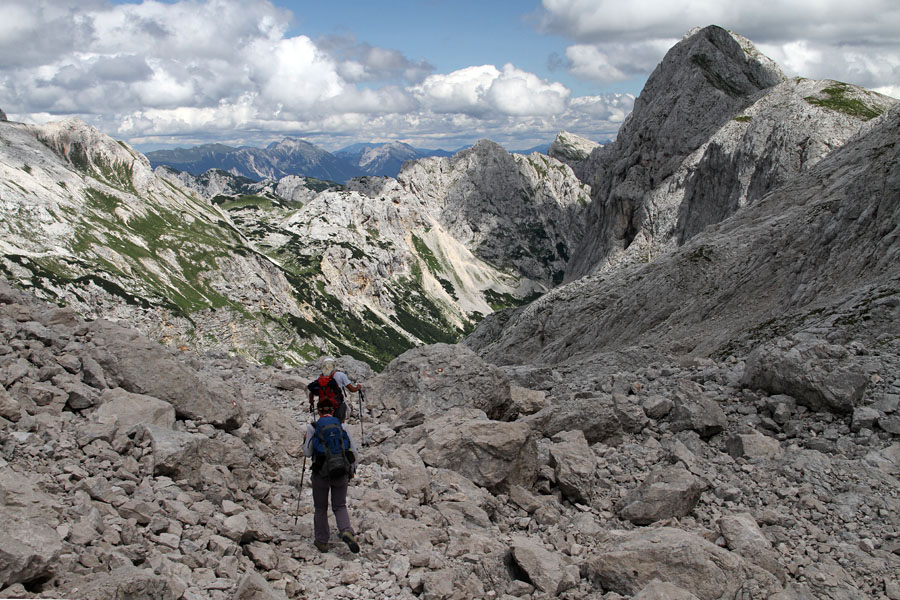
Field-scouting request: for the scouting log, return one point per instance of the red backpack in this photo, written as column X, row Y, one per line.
column 327, row 389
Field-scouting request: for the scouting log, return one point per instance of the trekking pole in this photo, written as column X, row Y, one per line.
column 302, row 475
column 362, row 437
column 300, row 491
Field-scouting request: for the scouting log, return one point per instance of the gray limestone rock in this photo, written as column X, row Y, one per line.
column 174, row 452
column 698, row 413
column 492, row 454
column 125, row 582
column 9, row 407
column 428, row 381
column 636, row 558
column 127, row 409
column 29, row 546
column 546, row 570
column 253, row 586
column 132, row 362
column 595, row 416
column 574, row 463
column 743, row 535
column 819, row 375
column 525, row 401
column 412, row 474
column 753, row 445
column 661, row 590
column 667, row 492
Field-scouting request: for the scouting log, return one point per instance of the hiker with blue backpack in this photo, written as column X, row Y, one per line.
column 334, row 455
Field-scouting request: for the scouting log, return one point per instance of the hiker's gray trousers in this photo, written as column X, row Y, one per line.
column 338, row 488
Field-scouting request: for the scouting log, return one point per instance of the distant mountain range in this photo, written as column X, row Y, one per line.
column 298, row 157
column 295, row 157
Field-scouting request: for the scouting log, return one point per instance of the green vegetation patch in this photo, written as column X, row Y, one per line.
column 836, row 99
column 431, row 261
column 743, row 119
column 500, row 301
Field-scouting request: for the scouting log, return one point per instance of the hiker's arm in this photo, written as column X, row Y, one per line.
column 307, row 441
column 354, row 387
column 353, row 447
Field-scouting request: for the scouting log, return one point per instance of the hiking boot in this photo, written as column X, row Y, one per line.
column 350, row 540
column 321, row 546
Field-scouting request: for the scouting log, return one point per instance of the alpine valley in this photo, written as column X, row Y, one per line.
column 663, row 367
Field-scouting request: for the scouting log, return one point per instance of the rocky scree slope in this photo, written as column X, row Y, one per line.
column 129, row 469
column 272, row 270
column 716, row 128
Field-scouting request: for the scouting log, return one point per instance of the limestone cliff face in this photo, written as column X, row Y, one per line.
column 816, row 255
column 519, row 212
column 716, row 128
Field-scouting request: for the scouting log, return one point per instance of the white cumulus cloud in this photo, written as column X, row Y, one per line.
column 487, row 90
column 165, row 72
column 856, row 42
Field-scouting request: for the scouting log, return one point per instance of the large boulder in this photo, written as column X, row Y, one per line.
column 695, row 411
column 667, row 492
column 430, row 380
column 549, row 571
column 174, row 452
column 632, row 560
column 596, row 416
column 574, row 463
column 29, row 545
column 127, row 409
column 125, row 582
column 819, row 375
column 492, row 454
column 136, row 364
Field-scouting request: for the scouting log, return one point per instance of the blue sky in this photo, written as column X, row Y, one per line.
column 470, row 33
column 432, row 73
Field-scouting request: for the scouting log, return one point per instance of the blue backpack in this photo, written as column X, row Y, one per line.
column 331, row 449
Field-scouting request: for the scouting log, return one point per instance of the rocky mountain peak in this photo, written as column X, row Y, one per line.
column 3, row 116
column 716, row 126
column 293, row 145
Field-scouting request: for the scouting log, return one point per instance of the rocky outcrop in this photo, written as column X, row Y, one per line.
column 716, row 127
column 519, row 212
column 572, row 150
column 819, row 375
column 426, row 382
column 805, row 243
column 688, row 561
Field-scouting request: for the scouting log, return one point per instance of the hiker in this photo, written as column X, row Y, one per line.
column 326, row 440
column 330, row 385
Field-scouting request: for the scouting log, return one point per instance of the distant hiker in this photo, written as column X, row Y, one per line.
column 331, row 386
column 334, row 455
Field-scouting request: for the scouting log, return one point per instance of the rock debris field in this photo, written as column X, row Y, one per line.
column 128, row 470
